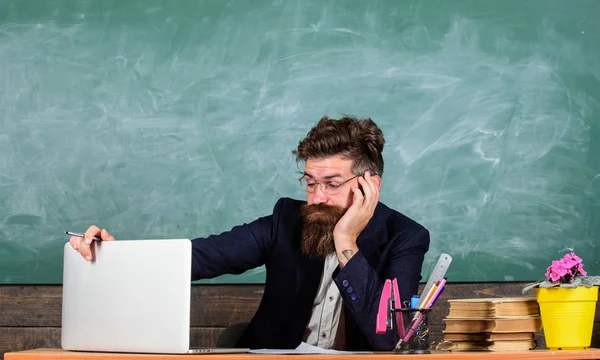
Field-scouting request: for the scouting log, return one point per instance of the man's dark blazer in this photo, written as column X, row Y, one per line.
column 391, row 246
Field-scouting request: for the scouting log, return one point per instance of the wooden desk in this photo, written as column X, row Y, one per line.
column 58, row 354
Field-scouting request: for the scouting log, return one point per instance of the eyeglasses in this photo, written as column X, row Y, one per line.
column 329, row 187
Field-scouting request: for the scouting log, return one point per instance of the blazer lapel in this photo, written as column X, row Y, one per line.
column 308, row 278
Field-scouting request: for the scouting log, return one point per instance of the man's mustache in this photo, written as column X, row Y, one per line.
column 322, row 211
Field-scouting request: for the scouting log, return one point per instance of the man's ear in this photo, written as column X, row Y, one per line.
column 377, row 180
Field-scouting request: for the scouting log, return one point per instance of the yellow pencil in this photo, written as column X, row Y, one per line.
column 430, row 294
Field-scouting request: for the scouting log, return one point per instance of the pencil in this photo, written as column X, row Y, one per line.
column 81, row 235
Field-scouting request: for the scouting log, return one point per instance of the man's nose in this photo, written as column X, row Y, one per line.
column 319, row 196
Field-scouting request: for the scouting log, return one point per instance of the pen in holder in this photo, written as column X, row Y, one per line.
column 416, row 339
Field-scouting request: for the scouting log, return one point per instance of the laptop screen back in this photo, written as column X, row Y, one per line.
column 134, row 296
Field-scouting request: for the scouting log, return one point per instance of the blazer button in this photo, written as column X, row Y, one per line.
column 345, row 283
column 353, row 297
column 349, row 290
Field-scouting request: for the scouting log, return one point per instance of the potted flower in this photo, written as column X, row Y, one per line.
column 567, row 300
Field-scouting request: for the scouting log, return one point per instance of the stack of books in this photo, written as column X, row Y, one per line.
column 494, row 324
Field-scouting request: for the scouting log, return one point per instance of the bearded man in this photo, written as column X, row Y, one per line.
column 326, row 258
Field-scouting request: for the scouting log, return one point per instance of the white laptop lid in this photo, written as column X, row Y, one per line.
column 134, row 296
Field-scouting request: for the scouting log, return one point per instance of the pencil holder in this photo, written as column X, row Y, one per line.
column 416, row 339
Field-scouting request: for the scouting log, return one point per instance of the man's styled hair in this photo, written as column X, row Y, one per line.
column 359, row 140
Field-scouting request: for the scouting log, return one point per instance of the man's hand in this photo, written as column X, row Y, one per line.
column 83, row 244
column 357, row 217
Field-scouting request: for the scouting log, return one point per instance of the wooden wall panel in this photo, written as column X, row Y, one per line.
column 30, row 305
column 24, row 338
column 211, row 305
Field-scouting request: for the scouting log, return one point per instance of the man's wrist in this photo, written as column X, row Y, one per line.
column 344, row 254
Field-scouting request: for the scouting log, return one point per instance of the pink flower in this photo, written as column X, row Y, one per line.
column 555, row 263
column 566, row 269
column 576, row 258
column 567, row 262
column 554, row 276
column 560, row 270
column 580, row 269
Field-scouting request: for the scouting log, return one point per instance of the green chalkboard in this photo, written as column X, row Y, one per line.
column 170, row 119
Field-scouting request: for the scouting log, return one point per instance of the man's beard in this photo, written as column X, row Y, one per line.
column 317, row 229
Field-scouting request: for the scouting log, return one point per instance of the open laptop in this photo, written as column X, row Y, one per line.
column 134, row 296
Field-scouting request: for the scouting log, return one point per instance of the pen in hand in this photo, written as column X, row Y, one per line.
column 81, row 235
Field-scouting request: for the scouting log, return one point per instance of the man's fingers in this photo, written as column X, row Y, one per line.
column 90, row 233
column 371, row 181
column 106, row 236
column 357, row 197
column 83, row 245
column 86, row 252
column 79, row 244
column 74, row 241
column 371, row 192
column 367, row 189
